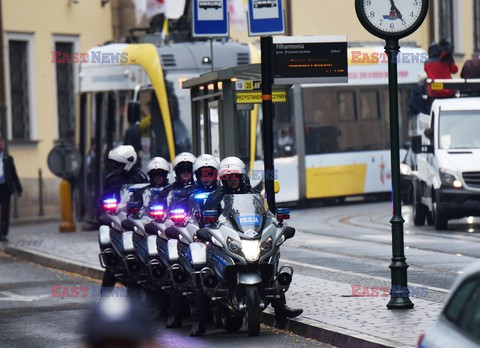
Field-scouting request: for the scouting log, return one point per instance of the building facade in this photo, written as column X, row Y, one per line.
column 41, row 40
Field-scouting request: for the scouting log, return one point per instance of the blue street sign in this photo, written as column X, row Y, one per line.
column 265, row 17
column 210, row 18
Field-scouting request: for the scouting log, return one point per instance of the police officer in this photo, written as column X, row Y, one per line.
column 123, row 159
column 206, row 173
column 233, row 175
column 157, row 170
column 175, row 193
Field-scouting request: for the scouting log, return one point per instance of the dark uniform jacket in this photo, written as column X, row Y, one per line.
column 115, row 180
column 12, row 182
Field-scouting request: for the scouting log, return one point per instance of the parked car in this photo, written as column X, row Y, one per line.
column 459, row 321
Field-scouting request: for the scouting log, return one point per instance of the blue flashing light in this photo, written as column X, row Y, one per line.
column 156, row 207
column 203, row 195
column 110, row 201
column 283, row 211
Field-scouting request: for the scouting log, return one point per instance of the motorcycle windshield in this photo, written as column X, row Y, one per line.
column 246, row 210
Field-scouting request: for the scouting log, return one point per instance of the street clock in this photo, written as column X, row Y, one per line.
column 390, row 19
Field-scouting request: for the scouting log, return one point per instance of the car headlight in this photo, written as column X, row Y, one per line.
column 449, row 178
column 251, row 249
column 405, row 169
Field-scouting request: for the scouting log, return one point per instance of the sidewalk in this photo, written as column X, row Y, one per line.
column 330, row 315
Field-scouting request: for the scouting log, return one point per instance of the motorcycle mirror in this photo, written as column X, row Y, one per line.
column 171, row 233
column 289, row 232
column 276, row 186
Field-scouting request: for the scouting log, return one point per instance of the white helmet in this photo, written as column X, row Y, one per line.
column 232, row 165
column 158, row 163
column 183, row 157
column 205, row 161
column 124, row 154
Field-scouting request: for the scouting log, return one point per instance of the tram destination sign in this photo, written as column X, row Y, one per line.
column 310, row 59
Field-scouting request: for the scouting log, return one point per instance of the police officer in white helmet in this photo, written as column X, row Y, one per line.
column 233, row 174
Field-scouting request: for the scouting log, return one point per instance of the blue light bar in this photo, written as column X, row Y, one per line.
column 156, row 207
column 110, row 201
column 283, row 211
column 203, row 195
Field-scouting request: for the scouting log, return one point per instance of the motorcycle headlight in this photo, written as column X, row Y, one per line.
column 233, row 245
column 251, row 249
column 266, row 244
column 216, row 242
column 449, row 178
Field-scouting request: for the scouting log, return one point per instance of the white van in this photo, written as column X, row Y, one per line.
column 446, row 183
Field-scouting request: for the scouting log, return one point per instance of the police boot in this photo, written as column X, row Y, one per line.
column 198, row 329
column 283, row 311
column 173, row 322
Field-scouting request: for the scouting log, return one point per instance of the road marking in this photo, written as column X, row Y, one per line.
column 321, row 268
column 10, row 296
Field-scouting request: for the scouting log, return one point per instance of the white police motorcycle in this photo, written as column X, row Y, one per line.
column 243, row 272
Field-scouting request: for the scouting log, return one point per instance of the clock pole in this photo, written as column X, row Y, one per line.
column 399, row 293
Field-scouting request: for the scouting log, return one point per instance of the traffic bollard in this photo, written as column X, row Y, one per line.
column 66, row 211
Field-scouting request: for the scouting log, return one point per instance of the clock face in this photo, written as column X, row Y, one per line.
column 392, row 16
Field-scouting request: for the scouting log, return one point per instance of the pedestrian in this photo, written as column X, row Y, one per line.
column 9, row 183
column 471, row 70
column 440, row 65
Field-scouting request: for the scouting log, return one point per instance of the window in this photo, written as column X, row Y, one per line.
column 445, row 20
column 476, row 24
column 463, row 310
column 65, row 94
column 19, row 89
column 321, row 132
column 349, row 137
column 371, row 121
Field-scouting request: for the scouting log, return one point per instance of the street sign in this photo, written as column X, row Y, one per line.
column 64, row 161
column 310, row 59
column 255, row 97
column 210, row 18
column 265, row 17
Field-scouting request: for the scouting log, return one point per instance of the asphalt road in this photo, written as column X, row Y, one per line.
column 356, row 237
column 31, row 317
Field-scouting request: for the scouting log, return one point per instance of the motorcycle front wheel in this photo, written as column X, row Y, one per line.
column 253, row 310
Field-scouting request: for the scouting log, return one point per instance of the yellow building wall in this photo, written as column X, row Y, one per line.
column 88, row 20
column 91, row 24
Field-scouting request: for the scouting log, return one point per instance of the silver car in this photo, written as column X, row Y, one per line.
column 459, row 321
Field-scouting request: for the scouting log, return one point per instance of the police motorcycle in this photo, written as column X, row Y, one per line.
column 165, row 266
column 243, row 272
column 185, row 216
column 113, row 245
column 143, row 260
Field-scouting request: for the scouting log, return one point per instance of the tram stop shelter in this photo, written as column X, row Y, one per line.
column 225, row 111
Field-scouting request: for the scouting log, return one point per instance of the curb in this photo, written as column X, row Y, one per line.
column 44, row 260
column 304, row 327
column 34, row 220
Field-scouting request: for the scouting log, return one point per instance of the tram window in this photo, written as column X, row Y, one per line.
column 386, row 109
column 369, row 105
column 243, row 134
column 372, row 137
column 346, row 106
column 284, row 130
column 350, row 137
column 321, row 133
